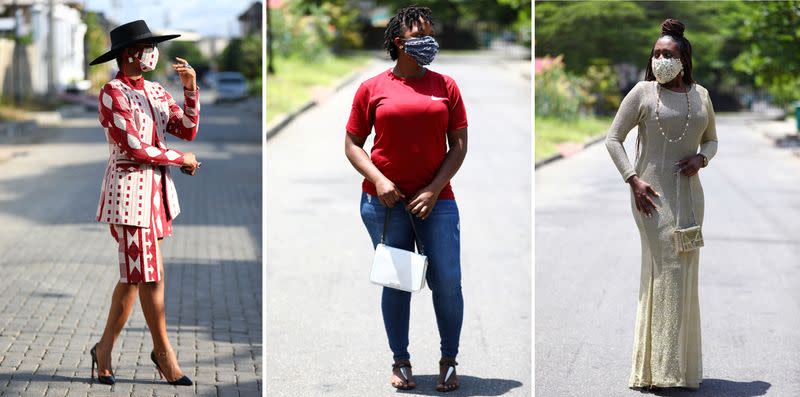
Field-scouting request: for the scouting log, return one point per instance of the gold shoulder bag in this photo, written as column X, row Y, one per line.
column 691, row 237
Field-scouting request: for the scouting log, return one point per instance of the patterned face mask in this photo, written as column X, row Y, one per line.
column 422, row 49
column 665, row 69
column 148, row 58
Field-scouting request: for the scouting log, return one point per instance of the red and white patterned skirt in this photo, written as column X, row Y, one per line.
column 138, row 246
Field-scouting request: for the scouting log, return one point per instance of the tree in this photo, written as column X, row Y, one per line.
column 188, row 51
column 96, row 42
column 591, row 32
column 231, row 57
column 772, row 31
column 336, row 21
column 251, row 56
column 595, row 33
column 243, row 55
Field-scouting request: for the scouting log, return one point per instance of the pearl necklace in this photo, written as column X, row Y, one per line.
column 688, row 115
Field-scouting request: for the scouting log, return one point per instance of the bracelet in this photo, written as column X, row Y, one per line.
column 705, row 159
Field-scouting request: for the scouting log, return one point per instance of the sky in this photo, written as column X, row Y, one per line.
column 208, row 17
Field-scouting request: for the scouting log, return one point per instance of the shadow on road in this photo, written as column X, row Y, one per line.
column 720, row 388
column 223, row 389
column 470, row 386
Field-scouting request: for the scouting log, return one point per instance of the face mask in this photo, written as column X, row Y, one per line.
column 665, row 69
column 422, row 49
column 148, row 58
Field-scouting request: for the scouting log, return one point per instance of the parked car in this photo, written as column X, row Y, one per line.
column 230, row 86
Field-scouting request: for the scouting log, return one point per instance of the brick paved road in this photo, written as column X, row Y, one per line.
column 58, row 266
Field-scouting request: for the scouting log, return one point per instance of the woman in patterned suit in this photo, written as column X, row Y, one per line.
column 138, row 197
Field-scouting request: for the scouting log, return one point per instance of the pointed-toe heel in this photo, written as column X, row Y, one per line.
column 106, row 380
column 182, row 381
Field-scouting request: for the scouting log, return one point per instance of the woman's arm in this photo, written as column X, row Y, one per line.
column 388, row 193
column 627, row 117
column 115, row 116
column 708, row 145
column 423, row 201
column 183, row 121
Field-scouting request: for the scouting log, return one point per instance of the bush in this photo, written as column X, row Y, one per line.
column 557, row 93
column 601, row 82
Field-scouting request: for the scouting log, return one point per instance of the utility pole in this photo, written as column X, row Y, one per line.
column 51, row 52
column 15, row 55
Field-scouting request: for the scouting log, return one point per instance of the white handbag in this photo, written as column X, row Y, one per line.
column 397, row 268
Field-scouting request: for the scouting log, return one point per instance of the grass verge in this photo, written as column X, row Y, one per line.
column 9, row 111
column 295, row 79
column 550, row 132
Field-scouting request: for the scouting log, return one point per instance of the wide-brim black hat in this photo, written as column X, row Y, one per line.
column 129, row 34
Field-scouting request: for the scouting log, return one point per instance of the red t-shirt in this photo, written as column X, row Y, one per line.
column 411, row 117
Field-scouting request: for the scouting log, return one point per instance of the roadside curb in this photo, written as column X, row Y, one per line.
column 281, row 122
column 10, row 131
column 558, row 156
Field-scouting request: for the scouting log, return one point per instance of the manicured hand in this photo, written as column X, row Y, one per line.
column 690, row 165
column 388, row 193
column 186, row 73
column 422, row 203
column 642, row 194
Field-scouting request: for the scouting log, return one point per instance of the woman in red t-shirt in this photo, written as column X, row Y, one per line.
column 420, row 142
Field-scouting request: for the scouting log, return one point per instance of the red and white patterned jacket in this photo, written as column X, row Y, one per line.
column 135, row 115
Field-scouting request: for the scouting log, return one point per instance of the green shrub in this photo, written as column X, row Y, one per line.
column 557, row 93
column 601, row 82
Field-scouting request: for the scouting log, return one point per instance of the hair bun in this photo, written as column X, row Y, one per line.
column 672, row 27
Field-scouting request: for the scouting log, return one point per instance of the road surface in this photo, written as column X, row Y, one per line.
column 588, row 266
column 59, row 266
column 324, row 328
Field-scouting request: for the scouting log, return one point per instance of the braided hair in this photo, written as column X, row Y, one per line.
column 406, row 18
column 673, row 29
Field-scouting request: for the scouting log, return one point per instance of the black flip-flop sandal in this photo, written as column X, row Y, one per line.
column 448, row 380
column 402, row 369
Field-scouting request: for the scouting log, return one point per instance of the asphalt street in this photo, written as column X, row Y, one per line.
column 59, row 265
column 324, row 328
column 588, row 265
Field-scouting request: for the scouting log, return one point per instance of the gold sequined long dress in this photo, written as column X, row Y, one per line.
column 666, row 349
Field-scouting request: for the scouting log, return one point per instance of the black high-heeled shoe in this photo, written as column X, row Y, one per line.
column 182, row 381
column 106, row 380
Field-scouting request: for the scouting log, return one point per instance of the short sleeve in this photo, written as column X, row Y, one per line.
column 458, row 113
column 361, row 115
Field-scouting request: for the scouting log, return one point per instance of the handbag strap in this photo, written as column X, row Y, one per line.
column 678, row 196
column 420, row 248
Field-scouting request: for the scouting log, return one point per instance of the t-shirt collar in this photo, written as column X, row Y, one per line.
column 137, row 84
column 390, row 73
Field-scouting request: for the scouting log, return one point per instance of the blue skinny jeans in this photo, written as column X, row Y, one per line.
column 440, row 236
